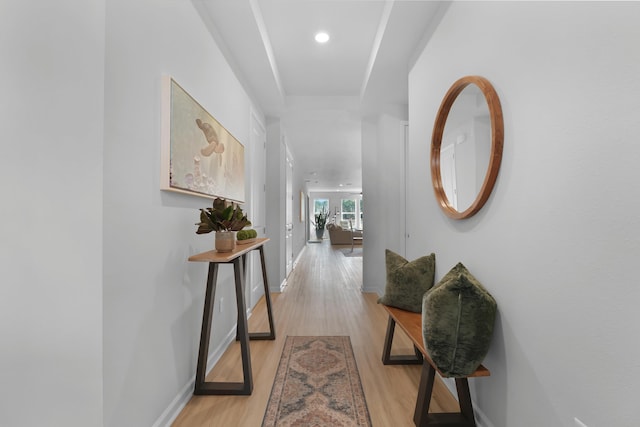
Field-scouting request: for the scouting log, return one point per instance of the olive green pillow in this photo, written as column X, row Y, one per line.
column 407, row 281
column 458, row 316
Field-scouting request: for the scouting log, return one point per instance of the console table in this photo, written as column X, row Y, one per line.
column 238, row 258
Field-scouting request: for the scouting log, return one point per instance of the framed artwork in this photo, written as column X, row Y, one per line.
column 199, row 156
column 302, row 200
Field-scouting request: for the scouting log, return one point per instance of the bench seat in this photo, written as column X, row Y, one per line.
column 411, row 324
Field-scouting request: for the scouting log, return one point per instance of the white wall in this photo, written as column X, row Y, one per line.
column 558, row 241
column 51, row 117
column 373, row 275
column 382, row 185
column 391, row 179
column 153, row 297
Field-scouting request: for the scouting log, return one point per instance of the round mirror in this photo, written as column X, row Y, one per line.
column 466, row 146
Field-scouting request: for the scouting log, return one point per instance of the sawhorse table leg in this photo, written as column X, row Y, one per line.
column 388, row 359
column 213, row 387
column 271, row 335
column 422, row 417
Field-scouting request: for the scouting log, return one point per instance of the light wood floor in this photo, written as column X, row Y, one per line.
column 322, row 297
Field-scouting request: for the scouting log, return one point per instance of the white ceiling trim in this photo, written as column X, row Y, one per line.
column 382, row 26
column 262, row 28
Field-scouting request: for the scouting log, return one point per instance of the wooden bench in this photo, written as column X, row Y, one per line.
column 411, row 324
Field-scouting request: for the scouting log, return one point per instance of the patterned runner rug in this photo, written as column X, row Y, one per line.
column 317, row 385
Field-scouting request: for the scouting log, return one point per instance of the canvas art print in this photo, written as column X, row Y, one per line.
column 200, row 156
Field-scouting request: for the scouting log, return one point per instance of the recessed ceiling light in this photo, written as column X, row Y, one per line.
column 322, row 37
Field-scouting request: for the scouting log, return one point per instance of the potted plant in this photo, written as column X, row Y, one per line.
column 225, row 221
column 320, row 222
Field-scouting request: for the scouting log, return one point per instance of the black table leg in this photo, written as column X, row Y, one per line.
column 271, row 335
column 205, row 333
column 215, row 387
column 243, row 328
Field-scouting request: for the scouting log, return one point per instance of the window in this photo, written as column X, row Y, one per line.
column 320, row 205
column 351, row 211
column 348, row 211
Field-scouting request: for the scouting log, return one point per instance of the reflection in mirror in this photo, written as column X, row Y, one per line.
column 466, row 147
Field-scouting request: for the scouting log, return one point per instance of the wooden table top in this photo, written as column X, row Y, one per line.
column 214, row 256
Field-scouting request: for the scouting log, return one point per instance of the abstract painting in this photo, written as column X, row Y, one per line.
column 199, row 155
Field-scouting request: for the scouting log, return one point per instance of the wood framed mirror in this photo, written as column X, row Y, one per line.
column 466, row 146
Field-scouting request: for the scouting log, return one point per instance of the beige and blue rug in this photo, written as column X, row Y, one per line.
column 317, row 384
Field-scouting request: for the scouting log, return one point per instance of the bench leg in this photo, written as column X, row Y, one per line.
column 388, row 359
column 464, row 399
column 425, row 388
column 421, row 416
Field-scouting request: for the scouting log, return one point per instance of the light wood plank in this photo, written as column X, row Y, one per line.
column 323, row 297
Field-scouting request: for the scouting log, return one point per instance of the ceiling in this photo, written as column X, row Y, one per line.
column 320, row 92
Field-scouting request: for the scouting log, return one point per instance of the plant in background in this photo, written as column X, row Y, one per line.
column 321, row 219
column 221, row 217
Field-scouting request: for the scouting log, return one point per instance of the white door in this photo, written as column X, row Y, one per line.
column 257, row 212
column 288, row 241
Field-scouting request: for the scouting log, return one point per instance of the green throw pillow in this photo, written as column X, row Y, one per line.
column 407, row 281
column 458, row 315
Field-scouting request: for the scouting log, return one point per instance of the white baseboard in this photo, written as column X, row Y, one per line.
column 282, row 286
column 370, row 289
column 284, row 282
column 481, row 418
column 295, row 261
column 186, row 393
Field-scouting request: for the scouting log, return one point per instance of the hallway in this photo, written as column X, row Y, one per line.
column 322, row 297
